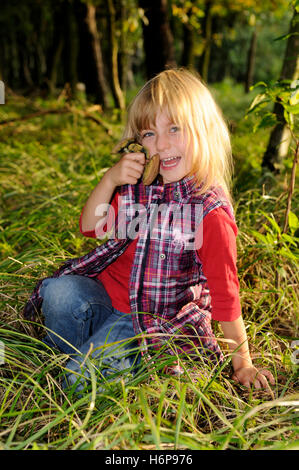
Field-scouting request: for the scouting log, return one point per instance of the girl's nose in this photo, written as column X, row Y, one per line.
column 162, row 143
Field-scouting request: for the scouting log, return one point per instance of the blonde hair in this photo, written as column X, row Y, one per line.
column 189, row 105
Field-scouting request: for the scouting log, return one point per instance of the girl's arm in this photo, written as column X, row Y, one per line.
column 127, row 171
column 244, row 371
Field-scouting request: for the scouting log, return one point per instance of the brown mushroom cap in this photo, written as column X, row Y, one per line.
column 122, row 145
column 151, row 170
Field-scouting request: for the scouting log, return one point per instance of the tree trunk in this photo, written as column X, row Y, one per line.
column 123, row 54
column 71, row 47
column 14, row 75
column 97, row 54
column 280, row 137
column 116, row 89
column 205, row 59
column 53, row 73
column 157, row 37
column 187, row 59
column 251, row 61
column 55, row 52
column 24, row 54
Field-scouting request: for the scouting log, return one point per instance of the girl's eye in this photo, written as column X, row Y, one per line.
column 174, row 129
column 147, row 134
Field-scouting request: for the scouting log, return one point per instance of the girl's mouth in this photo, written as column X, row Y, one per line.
column 169, row 163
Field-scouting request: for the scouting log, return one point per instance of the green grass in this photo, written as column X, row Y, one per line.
column 48, row 167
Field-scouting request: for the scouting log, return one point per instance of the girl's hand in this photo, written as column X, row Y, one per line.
column 250, row 375
column 128, row 170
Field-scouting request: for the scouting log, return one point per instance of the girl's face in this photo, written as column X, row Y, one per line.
column 169, row 141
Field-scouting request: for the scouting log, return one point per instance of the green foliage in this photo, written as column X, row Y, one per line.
column 284, row 92
column 236, row 40
column 32, row 35
column 277, row 243
column 247, row 147
column 190, row 13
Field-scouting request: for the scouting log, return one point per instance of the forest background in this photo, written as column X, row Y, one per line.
column 69, row 68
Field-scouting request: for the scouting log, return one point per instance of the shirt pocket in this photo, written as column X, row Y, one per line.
column 180, row 262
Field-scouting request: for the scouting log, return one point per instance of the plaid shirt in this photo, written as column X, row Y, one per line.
column 169, row 296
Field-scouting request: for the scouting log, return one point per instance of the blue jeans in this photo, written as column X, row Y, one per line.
column 81, row 321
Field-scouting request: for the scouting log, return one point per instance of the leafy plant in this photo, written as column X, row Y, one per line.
column 286, row 92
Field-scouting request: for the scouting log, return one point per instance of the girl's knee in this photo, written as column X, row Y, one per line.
column 72, row 287
column 59, row 296
column 75, row 298
column 53, row 288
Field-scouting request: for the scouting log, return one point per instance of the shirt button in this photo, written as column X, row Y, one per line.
column 162, row 256
column 176, row 194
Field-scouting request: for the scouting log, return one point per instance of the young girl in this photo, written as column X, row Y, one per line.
column 169, row 266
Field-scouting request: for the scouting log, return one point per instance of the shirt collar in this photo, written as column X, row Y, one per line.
column 178, row 191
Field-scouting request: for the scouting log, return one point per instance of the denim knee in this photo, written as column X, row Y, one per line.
column 72, row 294
column 74, row 308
